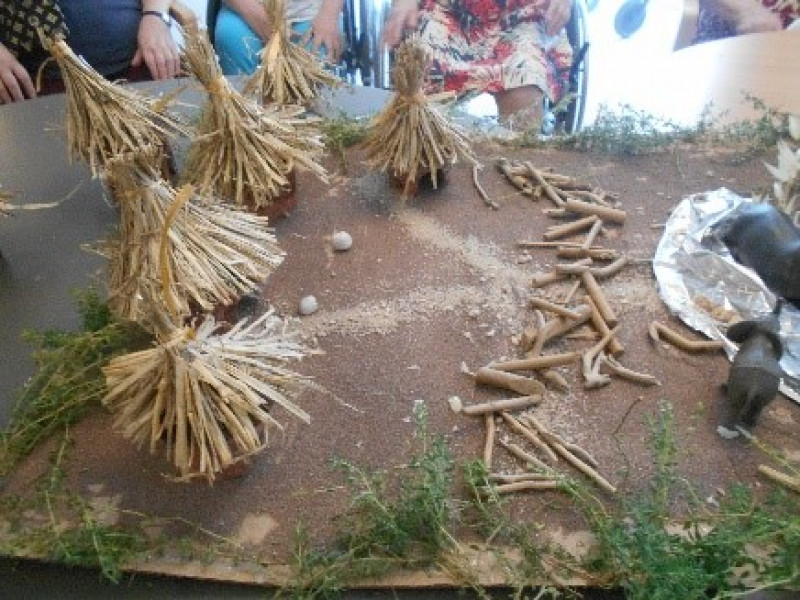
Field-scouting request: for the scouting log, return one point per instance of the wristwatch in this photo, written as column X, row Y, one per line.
column 163, row 15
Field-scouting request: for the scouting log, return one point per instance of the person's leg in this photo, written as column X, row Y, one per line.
column 521, row 108
column 237, row 45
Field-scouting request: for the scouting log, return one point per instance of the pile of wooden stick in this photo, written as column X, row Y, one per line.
column 243, row 152
column 411, row 137
column 288, row 73
column 541, row 470
column 106, row 120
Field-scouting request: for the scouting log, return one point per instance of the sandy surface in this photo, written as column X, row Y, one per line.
column 431, row 283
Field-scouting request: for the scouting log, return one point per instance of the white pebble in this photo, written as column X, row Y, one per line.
column 342, row 241
column 308, row 305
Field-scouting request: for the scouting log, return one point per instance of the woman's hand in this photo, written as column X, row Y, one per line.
column 15, row 82
column 556, row 16
column 404, row 16
column 157, row 49
column 325, row 30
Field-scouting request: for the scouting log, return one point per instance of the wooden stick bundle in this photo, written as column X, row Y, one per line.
column 207, row 397
column 245, row 153
column 288, row 73
column 105, row 120
column 410, row 137
column 182, row 250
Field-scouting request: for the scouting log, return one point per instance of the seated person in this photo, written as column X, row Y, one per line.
column 718, row 19
column 516, row 50
column 119, row 38
column 242, row 28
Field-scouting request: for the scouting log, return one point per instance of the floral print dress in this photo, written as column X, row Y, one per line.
column 493, row 45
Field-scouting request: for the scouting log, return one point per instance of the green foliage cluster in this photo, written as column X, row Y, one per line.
column 710, row 553
column 384, row 529
column 68, row 378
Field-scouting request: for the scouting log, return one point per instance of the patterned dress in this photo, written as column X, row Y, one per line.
column 493, row 45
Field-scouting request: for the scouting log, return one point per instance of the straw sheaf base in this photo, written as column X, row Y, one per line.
column 206, row 398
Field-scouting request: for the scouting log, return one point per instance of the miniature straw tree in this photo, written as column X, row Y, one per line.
column 206, row 395
column 244, row 153
column 288, row 73
column 410, row 136
column 183, row 250
column 104, row 119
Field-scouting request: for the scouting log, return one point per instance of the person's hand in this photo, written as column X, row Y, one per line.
column 404, row 16
column 254, row 14
column 325, row 32
column 157, row 49
column 556, row 16
column 15, row 82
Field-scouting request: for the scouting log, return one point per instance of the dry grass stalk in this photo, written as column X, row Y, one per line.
column 105, row 120
column 206, row 396
column 245, row 153
column 410, row 136
column 288, row 73
column 182, row 250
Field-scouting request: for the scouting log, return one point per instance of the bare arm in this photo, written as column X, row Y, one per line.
column 252, row 11
column 325, row 29
column 404, row 16
column 156, row 47
column 557, row 16
column 15, row 82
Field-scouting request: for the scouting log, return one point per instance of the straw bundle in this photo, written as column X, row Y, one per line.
column 105, row 119
column 410, row 136
column 243, row 152
column 207, row 396
column 288, row 73
column 181, row 250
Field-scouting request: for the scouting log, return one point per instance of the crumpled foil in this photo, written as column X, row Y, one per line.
column 690, row 263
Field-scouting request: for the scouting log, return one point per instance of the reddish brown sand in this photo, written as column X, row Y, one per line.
column 429, row 284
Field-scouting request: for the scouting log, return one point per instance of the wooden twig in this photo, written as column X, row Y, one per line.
column 481, row 192
column 659, row 332
column 525, row 457
column 555, row 379
column 787, row 481
column 629, row 374
column 516, row 477
column 494, row 406
column 557, row 327
column 535, row 362
column 509, row 381
column 529, row 435
column 517, row 180
column 560, row 231
column 606, row 213
column 593, row 378
column 491, row 433
column 549, row 190
column 521, row 486
column 597, row 227
column 615, row 348
column 594, row 253
column 599, row 299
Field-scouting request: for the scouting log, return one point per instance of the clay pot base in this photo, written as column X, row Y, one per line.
column 423, row 183
column 278, row 207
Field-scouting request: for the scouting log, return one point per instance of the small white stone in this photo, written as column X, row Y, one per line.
column 455, row 403
column 308, row 305
column 342, row 241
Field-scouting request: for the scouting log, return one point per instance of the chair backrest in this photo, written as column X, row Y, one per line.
column 212, row 10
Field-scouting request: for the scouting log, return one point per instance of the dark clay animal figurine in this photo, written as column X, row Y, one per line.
column 755, row 373
column 763, row 238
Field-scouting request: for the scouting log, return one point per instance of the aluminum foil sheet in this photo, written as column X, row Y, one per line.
column 696, row 276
